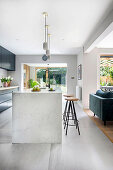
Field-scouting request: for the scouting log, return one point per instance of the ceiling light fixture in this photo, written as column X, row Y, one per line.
column 48, row 51
column 46, row 44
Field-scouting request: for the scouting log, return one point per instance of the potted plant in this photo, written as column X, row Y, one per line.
column 6, row 81
column 33, row 83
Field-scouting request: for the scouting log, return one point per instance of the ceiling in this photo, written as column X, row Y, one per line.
column 71, row 22
column 107, row 42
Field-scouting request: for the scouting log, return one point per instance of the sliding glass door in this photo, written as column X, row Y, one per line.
column 52, row 77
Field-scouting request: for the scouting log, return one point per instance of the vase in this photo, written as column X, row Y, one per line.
column 9, row 83
column 5, row 84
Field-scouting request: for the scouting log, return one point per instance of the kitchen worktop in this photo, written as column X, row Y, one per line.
column 8, row 88
column 41, row 91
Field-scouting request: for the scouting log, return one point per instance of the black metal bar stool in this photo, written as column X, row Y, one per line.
column 71, row 114
column 64, row 114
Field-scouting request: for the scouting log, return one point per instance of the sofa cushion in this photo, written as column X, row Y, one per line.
column 104, row 94
column 110, row 95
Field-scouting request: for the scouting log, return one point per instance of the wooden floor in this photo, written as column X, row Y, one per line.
column 107, row 130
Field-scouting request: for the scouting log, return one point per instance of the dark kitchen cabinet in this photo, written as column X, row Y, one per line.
column 4, row 58
column 6, row 98
column 7, row 59
column 0, row 57
column 12, row 61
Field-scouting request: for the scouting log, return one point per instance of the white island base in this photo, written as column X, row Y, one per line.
column 37, row 117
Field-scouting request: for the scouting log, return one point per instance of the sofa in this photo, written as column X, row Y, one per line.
column 101, row 104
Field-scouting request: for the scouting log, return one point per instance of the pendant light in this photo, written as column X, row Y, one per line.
column 48, row 53
column 44, row 57
column 48, row 50
column 45, row 44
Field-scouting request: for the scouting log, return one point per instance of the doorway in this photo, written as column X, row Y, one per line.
column 51, row 75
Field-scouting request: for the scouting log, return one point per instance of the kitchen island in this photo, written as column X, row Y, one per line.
column 37, row 117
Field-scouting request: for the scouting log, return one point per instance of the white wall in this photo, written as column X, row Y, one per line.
column 80, row 61
column 3, row 73
column 71, row 61
column 91, row 73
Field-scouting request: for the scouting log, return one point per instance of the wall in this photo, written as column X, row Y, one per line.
column 80, row 82
column 3, row 73
column 71, row 61
column 91, row 72
column 89, row 75
column 80, row 61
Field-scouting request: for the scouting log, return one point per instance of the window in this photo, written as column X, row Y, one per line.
column 106, row 70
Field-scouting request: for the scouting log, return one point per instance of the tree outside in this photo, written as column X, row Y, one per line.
column 106, row 71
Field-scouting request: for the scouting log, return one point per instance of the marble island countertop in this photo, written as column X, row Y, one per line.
column 42, row 91
column 7, row 88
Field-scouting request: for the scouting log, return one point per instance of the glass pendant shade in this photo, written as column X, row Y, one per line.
column 47, row 52
column 44, row 57
column 45, row 46
column 49, row 56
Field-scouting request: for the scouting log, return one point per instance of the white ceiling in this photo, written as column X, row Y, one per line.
column 107, row 42
column 71, row 22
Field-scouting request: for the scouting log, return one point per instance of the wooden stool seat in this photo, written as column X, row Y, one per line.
column 71, row 99
column 68, row 95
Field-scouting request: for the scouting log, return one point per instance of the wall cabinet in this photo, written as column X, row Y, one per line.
column 7, row 59
column 0, row 57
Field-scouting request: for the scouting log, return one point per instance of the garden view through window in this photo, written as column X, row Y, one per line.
column 52, row 77
column 106, row 70
column 46, row 76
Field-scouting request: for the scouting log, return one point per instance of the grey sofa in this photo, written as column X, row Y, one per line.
column 101, row 104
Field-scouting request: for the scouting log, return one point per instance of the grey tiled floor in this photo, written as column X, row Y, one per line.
column 90, row 151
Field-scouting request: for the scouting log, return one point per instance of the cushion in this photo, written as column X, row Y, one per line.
column 110, row 95
column 104, row 94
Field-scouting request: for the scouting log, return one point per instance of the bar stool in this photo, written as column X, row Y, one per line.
column 71, row 114
column 64, row 114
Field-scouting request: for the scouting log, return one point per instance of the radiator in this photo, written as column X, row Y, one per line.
column 78, row 92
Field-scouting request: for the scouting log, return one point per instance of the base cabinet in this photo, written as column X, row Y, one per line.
column 6, row 99
column 3, row 106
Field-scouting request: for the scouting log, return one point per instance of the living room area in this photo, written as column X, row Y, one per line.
column 97, row 82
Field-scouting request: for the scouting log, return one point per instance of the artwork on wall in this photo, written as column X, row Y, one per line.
column 80, row 72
